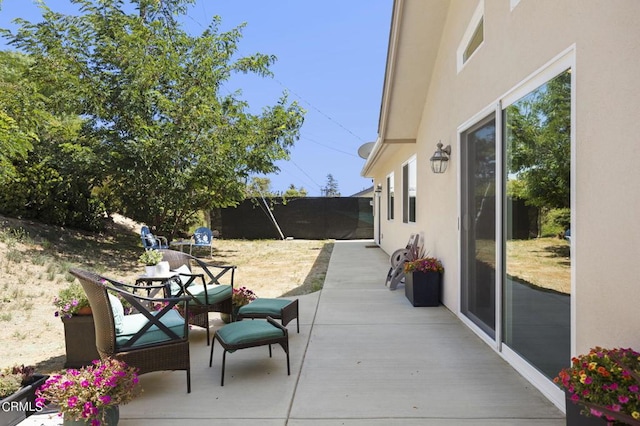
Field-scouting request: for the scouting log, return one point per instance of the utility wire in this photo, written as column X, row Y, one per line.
column 336, row 122
column 328, row 147
column 306, row 174
column 284, row 86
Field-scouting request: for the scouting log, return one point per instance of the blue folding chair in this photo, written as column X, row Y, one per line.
column 152, row 242
column 202, row 237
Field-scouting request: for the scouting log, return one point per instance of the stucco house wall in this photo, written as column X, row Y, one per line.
column 600, row 38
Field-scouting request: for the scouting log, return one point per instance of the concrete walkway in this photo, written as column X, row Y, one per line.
column 364, row 356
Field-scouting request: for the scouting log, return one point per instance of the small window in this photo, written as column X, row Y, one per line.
column 476, row 41
column 409, row 180
column 390, row 196
column 473, row 37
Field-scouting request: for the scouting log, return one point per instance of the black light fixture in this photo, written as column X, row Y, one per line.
column 378, row 188
column 440, row 158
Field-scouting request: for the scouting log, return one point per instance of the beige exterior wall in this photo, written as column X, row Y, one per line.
column 604, row 35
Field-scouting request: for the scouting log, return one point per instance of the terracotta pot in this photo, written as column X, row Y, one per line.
column 85, row 310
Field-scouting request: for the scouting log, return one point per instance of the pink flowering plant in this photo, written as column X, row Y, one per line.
column 606, row 382
column 70, row 300
column 242, row 296
column 83, row 394
column 425, row 264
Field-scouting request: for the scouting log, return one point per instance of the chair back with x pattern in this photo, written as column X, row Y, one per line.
column 151, row 339
column 210, row 290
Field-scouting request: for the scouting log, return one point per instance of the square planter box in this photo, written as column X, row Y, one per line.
column 574, row 418
column 17, row 407
column 423, row 288
column 80, row 341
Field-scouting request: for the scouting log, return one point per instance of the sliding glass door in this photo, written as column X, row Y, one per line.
column 537, row 257
column 478, row 272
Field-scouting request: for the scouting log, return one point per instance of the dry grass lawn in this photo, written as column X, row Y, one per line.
column 540, row 262
column 35, row 258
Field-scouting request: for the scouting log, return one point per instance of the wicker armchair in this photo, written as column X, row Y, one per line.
column 150, row 341
column 207, row 291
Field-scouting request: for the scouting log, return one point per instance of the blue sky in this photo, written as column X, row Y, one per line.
column 331, row 59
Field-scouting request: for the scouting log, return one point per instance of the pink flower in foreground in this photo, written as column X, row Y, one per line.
column 72, row 401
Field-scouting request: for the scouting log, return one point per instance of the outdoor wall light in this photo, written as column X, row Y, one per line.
column 440, row 158
column 378, row 188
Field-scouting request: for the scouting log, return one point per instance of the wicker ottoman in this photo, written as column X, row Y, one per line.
column 283, row 309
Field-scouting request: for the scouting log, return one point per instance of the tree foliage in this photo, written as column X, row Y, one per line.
column 18, row 99
column 538, row 140
column 48, row 170
column 167, row 143
column 293, row 192
column 260, row 187
column 331, row 188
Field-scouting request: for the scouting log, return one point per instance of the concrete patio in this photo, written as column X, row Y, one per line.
column 364, row 356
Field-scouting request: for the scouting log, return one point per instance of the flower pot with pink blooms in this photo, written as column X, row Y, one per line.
column 604, row 386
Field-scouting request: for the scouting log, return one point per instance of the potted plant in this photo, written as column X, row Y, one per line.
column 72, row 306
column 17, row 393
column 92, row 394
column 152, row 260
column 71, row 301
column 422, row 281
column 605, row 384
column 240, row 297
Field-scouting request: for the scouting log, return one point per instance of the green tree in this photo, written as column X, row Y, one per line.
column 293, row 192
column 18, row 103
column 331, row 188
column 52, row 173
column 170, row 143
column 538, row 138
column 260, row 187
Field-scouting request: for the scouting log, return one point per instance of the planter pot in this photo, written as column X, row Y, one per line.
column 423, row 288
column 111, row 418
column 86, row 310
column 226, row 318
column 575, row 418
column 162, row 268
column 17, row 407
column 80, row 341
column 150, row 271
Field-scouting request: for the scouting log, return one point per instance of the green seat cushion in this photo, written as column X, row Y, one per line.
column 131, row 324
column 242, row 332
column 215, row 293
column 271, row 307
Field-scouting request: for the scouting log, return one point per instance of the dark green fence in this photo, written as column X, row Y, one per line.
column 308, row 218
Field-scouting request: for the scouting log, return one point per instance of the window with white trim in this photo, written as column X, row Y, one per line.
column 390, row 196
column 409, row 181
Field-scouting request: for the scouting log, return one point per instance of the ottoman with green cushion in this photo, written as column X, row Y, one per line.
column 249, row 334
column 283, row 309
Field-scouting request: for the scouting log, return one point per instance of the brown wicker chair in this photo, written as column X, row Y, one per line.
column 201, row 287
column 150, row 341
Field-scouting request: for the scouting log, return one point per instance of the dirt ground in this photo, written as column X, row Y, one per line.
column 35, row 259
